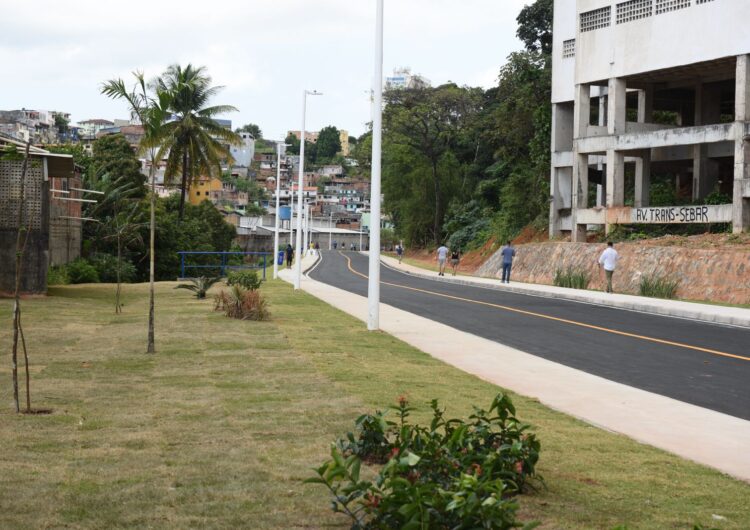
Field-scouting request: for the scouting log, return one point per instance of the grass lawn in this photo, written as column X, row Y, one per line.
column 218, row 429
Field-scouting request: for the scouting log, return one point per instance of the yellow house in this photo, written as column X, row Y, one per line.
column 201, row 189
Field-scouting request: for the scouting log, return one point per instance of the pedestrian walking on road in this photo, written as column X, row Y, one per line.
column 455, row 258
column 442, row 256
column 508, row 253
column 289, row 255
column 399, row 252
column 608, row 261
column 335, row 244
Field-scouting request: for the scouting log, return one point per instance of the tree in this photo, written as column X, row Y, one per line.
column 114, row 160
column 62, row 123
column 293, row 144
column 252, row 129
column 535, row 26
column 193, row 138
column 124, row 228
column 429, row 126
column 328, row 144
column 152, row 110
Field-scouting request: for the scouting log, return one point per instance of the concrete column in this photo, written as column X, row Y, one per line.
column 615, row 178
column 580, row 195
column 582, row 110
column 616, row 106
column 645, row 104
column 643, row 179
column 705, row 172
column 740, row 204
column 554, row 215
column 742, row 89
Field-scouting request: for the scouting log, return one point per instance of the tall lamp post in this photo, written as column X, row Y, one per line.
column 373, row 281
column 300, row 197
column 277, row 222
column 330, row 230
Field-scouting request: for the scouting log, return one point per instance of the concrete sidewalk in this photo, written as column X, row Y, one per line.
column 733, row 316
column 704, row 436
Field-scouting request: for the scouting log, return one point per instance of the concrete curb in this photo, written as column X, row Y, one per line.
column 730, row 316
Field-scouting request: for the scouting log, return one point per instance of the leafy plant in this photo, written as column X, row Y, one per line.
column 241, row 303
column 81, row 271
column 450, row 474
column 247, row 279
column 658, row 286
column 58, row 276
column 199, row 285
column 106, row 268
column 572, row 277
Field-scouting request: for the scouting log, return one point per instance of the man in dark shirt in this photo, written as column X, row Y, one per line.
column 508, row 253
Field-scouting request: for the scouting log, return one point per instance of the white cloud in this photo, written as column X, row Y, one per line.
column 56, row 54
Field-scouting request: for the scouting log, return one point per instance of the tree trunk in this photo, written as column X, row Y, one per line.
column 183, row 188
column 151, row 348
column 21, row 238
column 436, row 225
column 119, row 267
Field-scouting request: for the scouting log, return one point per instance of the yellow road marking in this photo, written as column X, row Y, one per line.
column 557, row 319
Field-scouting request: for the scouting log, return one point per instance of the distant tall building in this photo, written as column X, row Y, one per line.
column 243, row 154
column 403, row 78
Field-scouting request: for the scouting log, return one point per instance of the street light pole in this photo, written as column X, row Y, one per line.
column 300, row 198
column 373, row 280
column 277, row 222
column 330, row 230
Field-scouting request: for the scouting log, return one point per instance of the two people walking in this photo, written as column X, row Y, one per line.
column 442, row 258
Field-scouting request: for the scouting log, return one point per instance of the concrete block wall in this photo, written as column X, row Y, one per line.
column 719, row 275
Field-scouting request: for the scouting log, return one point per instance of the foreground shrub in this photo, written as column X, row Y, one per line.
column 572, row 277
column 451, row 474
column 199, row 286
column 58, row 276
column 81, row 271
column 247, row 279
column 106, row 268
column 658, row 286
column 241, row 303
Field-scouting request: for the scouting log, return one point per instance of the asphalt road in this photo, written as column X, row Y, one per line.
column 558, row 331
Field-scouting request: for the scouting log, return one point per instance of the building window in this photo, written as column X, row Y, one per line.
column 664, row 6
column 703, row 1
column 596, row 19
column 569, row 48
column 633, row 10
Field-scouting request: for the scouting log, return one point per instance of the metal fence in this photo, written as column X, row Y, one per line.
column 219, row 263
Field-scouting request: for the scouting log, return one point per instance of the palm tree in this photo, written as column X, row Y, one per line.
column 151, row 109
column 197, row 144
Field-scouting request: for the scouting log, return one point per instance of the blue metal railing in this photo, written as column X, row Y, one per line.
column 223, row 264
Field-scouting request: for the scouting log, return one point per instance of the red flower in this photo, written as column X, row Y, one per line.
column 519, row 467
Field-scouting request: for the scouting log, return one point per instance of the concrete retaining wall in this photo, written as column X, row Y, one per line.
column 714, row 275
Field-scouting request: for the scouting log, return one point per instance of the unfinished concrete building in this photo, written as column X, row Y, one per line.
column 651, row 106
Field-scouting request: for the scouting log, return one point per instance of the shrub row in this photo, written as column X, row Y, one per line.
column 95, row 269
column 572, row 277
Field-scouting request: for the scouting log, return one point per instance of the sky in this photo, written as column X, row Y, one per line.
column 55, row 55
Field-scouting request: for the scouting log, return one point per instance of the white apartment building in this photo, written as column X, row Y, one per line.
column 649, row 91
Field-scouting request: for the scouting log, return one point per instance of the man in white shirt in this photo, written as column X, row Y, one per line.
column 608, row 261
column 442, row 256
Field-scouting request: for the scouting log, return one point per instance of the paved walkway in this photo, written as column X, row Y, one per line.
column 710, row 438
column 735, row 316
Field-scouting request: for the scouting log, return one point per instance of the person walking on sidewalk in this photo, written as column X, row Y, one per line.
column 508, row 253
column 289, row 255
column 455, row 258
column 399, row 252
column 608, row 261
column 442, row 256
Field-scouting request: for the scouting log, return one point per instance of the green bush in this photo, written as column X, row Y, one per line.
column 57, row 276
column 106, row 268
column 658, row 286
column 247, row 279
column 81, row 271
column 572, row 277
column 450, row 474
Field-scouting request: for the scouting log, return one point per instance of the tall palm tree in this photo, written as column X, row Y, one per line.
column 151, row 109
column 197, row 144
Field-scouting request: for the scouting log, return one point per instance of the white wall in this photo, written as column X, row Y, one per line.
column 701, row 32
column 563, row 70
